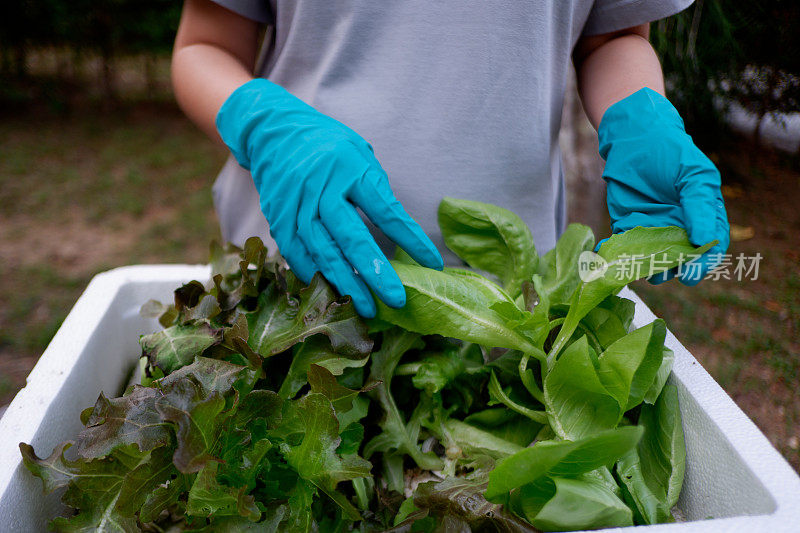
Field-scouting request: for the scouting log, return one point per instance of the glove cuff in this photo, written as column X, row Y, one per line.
column 244, row 108
column 643, row 113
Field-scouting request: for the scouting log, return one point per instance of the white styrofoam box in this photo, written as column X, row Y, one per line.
column 735, row 480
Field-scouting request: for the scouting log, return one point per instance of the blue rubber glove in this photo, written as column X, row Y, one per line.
column 656, row 176
column 311, row 172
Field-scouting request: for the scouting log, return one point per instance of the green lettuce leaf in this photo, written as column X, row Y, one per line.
column 564, row 458
column 396, row 436
column 315, row 458
column 559, row 267
column 576, row 504
column 628, row 367
column 652, row 473
column 631, row 255
column 578, row 405
column 454, row 303
column 490, row 238
column 317, row 351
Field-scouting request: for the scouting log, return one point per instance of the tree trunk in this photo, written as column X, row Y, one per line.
column 150, row 75
column 107, row 77
column 20, row 61
column 766, row 98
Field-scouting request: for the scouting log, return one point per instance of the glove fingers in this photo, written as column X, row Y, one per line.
column 334, row 267
column 694, row 271
column 662, row 277
column 354, row 239
column 709, row 260
column 699, row 195
column 378, row 202
column 298, row 258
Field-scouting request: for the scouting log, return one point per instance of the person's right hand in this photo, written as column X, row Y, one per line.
column 311, row 172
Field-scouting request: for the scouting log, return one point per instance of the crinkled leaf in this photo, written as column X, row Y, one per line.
column 161, row 498
column 178, row 345
column 578, row 405
column 318, row 351
column 260, row 403
column 453, row 303
column 243, row 456
column 300, row 518
column 117, row 422
column 239, row 524
column 235, row 338
column 490, row 238
column 208, row 497
column 188, row 295
column 653, row 471
column 93, row 487
column 283, row 320
column 560, row 459
column 213, row 375
column 323, row 382
column 195, row 414
column 144, row 479
column 459, row 501
column 315, row 458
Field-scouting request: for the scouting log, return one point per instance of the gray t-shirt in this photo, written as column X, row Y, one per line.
column 457, row 98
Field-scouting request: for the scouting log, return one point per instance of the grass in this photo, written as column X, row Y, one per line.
column 85, row 192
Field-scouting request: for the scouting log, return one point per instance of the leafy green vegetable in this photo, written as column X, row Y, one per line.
column 268, row 405
column 629, row 366
column 397, row 436
column 178, row 345
column 631, row 255
column 558, row 266
column 652, row 473
column 577, row 403
column 579, row 504
column 315, row 458
column 563, row 458
column 454, row 303
column 283, row 320
column 490, row 238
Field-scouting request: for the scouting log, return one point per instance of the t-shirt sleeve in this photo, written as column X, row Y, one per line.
column 607, row 16
column 257, row 10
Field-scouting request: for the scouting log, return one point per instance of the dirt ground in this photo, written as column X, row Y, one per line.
column 85, row 192
column 135, row 188
column 746, row 332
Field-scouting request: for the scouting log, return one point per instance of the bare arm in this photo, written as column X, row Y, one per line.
column 612, row 66
column 215, row 52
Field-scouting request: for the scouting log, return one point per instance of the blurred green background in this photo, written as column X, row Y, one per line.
column 99, row 168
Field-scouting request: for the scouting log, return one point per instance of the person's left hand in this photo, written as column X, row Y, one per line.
column 656, row 176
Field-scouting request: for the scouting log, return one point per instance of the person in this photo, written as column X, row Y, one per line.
column 454, row 99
